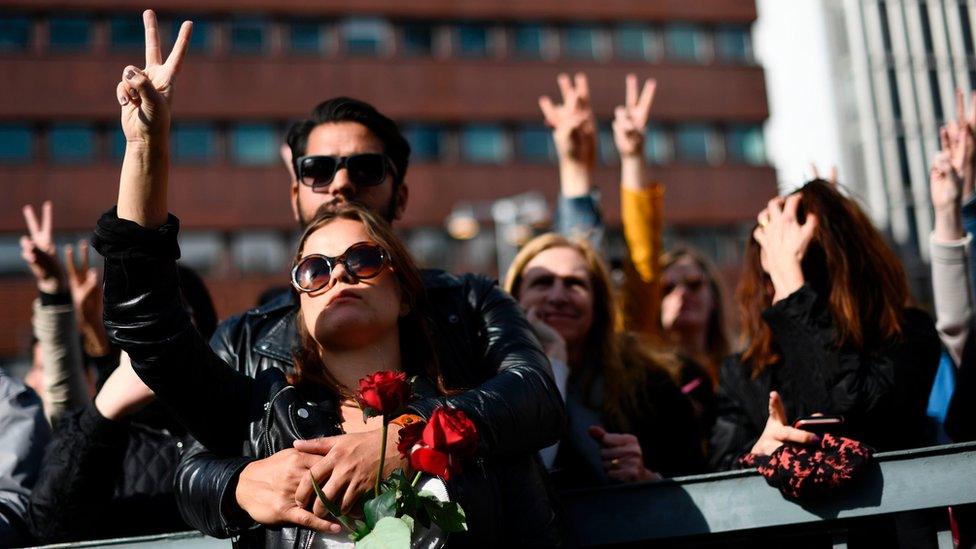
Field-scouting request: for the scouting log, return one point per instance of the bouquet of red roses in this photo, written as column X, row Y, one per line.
column 437, row 447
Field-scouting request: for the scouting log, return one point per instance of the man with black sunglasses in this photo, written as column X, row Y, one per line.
column 347, row 151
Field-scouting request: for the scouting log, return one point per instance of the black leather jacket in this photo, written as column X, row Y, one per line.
column 247, row 412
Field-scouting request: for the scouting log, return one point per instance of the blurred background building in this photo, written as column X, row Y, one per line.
column 865, row 85
column 462, row 78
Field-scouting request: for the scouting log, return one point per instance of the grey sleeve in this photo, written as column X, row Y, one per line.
column 24, row 433
column 57, row 331
column 953, row 292
column 580, row 217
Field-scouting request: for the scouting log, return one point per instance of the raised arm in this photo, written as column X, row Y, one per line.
column 640, row 208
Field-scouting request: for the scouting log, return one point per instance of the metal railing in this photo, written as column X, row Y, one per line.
column 726, row 507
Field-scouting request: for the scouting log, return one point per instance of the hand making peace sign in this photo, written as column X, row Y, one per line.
column 572, row 122
column 145, row 94
column 630, row 119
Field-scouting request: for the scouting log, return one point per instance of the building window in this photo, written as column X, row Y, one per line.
column 606, row 148
column 529, row 41
column 366, row 36
column 201, row 250
column 471, row 40
column 194, row 143
column 71, row 143
column 745, row 144
column 248, row 35
column 657, row 146
column 484, row 144
column 684, row 42
column 582, row 42
column 200, row 38
column 15, row 32
column 254, row 144
column 261, row 252
column 534, row 143
column 304, row 37
column 116, row 143
column 126, row 32
column 16, row 143
column 693, row 143
column 69, row 33
column 633, row 42
column 733, row 44
column 426, row 142
column 418, row 39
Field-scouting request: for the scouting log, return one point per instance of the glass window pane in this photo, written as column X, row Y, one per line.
column 581, row 42
column 632, row 42
column 71, row 143
column 657, row 146
column 194, row 142
column 733, row 44
column 200, row 38
column 365, row 36
column 69, row 33
column 529, row 41
column 692, row 142
column 745, row 144
column 606, row 148
column 16, row 143
column 126, row 32
column 254, row 144
column 248, row 35
column 484, row 143
column 534, row 142
column 426, row 142
column 15, row 32
column 418, row 38
column 472, row 40
column 684, row 42
column 304, row 37
column 116, row 143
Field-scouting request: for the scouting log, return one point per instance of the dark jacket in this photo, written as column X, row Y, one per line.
column 102, row 478
column 882, row 393
column 481, row 338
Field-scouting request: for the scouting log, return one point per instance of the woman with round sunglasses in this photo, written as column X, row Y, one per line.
column 362, row 309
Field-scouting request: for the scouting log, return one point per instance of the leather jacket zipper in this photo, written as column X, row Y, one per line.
column 268, row 407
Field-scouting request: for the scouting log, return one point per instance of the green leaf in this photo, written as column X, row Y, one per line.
column 389, row 533
column 331, row 507
column 446, row 514
column 380, row 507
column 360, row 532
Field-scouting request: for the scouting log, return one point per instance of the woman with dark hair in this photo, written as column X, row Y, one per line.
column 628, row 421
column 362, row 309
column 828, row 328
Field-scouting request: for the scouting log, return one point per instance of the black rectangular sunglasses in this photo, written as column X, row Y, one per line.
column 365, row 170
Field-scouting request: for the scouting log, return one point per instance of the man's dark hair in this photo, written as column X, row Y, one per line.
column 346, row 109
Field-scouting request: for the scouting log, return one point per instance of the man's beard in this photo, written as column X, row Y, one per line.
column 388, row 214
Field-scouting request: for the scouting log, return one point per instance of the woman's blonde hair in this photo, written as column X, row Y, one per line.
column 624, row 361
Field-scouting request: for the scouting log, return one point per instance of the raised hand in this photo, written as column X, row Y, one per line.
column 946, row 187
column 831, row 175
column 145, row 94
column 630, row 119
column 777, row 431
column 572, row 122
column 784, row 242
column 962, row 143
column 37, row 248
column 86, row 295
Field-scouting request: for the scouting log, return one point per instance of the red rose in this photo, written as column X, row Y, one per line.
column 448, row 437
column 383, row 392
column 449, row 430
column 410, row 435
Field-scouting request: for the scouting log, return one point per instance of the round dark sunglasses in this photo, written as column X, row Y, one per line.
column 362, row 260
column 365, row 170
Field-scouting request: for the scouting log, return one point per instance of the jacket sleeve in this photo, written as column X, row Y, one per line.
column 206, row 487
column 881, row 392
column 205, row 482
column 642, row 219
column 23, row 435
column 76, row 479
column 733, row 433
column 953, row 292
column 144, row 316
column 57, row 331
column 580, row 217
column 519, row 408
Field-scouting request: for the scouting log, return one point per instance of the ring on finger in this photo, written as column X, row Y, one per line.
column 615, row 462
column 764, row 219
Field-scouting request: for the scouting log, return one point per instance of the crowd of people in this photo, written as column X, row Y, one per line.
column 143, row 414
